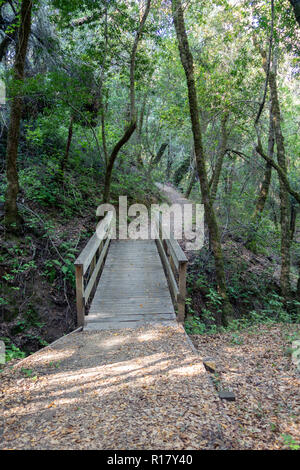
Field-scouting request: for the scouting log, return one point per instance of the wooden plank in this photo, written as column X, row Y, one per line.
column 176, row 252
column 132, row 287
column 180, row 260
column 97, row 326
column 182, row 292
column 146, row 305
column 120, row 318
column 93, row 244
column 93, row 277
column 129, row 311
column 79, row 295
column 149, row 300
column 170, row 275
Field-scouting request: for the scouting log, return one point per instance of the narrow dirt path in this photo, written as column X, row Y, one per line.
column 133, row 389
column 173, row 196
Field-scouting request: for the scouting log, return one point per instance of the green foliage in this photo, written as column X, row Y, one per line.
column 28, row 373
column 194, row 326
column 236, row 339
column 12, row 351
column 29, row 319
column 290, row 442
column 136, row 186
column 54, row 268
column 41, row 185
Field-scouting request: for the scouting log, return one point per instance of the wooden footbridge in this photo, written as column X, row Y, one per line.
column 127, row 283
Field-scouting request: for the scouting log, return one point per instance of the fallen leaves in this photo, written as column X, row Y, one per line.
column 265, row 382
column 148, row 390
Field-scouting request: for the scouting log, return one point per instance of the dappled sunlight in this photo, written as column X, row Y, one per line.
column 149, row 336
column 238, row 348
column 44, row 357
column 115, row 341
column 68, row 388
column 188, row 370
column 146, row 380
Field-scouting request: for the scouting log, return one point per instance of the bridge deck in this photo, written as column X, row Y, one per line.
column 132, row 290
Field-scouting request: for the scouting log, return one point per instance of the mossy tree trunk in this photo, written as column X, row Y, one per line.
column 155, row 160
column 284, row 196
column 220, row 157
column 191, row 183
column 298, row 286
column 188, row 66
column 265, row 185
column 12, row 218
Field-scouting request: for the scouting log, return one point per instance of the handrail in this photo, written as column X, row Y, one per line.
column 175, row 264
column 89, row 263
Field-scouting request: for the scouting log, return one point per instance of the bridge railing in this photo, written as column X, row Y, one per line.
column 89, row 263
column 175, row 264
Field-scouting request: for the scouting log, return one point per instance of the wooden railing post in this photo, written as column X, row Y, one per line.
column 160, row 225
column 182, row 292
column 88, row 265
column 174, row 261
column 79, row 294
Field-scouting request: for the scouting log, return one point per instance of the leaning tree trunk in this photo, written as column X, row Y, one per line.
column 139, row 158
column 132, row 118
column 265, row 186
column 284, row 196
column 298, row 286
column 191, row 183
column 188, row 66
column 220, row 158
column 157, row 158
column 193, row 174
column 108, row 173
column 293, row 217
column 12, row 219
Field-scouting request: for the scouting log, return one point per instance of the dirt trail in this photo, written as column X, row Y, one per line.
column 132, row 389
column 174, row 196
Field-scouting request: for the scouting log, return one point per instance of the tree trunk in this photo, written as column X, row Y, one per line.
column 139, row 131
column 159, row 155
column 128, row 133
column 132, row 115
column 133, row 59
column 103, row 133
column 187, row 63
column 191, row 183
column 293, row 217
column 192, row 175
column 220, row 158
column 170, row 161
column 12, row 218
column 264, row 189
column 284, row 196
column 296, row 7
